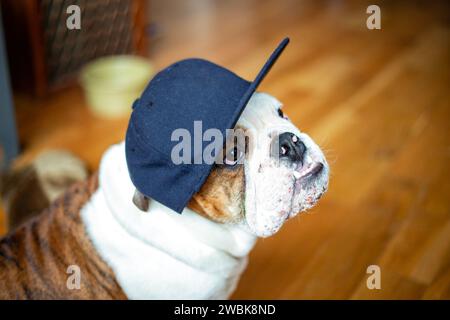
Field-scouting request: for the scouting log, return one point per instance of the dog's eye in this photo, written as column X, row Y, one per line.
column 233, row 156
column 280, row 113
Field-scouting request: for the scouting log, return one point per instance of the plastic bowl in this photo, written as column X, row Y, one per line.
column 111, row 84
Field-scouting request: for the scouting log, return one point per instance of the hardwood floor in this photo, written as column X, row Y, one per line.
column 377, row 101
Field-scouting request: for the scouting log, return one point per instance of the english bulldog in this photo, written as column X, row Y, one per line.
column 143, row 250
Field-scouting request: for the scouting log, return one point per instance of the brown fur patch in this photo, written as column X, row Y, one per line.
column 221, row 197
column 34, row 258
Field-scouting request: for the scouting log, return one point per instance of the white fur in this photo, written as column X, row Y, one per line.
column 160, row 254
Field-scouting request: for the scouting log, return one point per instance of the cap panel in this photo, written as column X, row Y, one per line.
column 156, row 176
column 188, row 91
column 185, row 92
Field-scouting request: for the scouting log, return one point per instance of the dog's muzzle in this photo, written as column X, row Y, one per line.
column 288, row 147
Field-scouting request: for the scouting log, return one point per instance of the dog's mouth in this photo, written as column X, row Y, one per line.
column 311, row 181
column 307, row 171
column 283, row 191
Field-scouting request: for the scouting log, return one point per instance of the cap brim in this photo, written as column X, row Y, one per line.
column 259, row 78
column 270, row 62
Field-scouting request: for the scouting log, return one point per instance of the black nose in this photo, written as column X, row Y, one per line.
column 291, row 147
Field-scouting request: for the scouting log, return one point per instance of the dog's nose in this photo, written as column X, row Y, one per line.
column 291, row 147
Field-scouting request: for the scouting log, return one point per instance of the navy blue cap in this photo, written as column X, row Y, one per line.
column 186, row 91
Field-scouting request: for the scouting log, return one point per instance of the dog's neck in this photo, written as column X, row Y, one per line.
column 118, row 189
column 134, row 243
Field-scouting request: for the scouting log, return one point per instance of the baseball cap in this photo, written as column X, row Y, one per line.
column 187, row 91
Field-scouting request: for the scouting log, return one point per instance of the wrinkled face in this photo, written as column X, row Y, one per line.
column 277, row 173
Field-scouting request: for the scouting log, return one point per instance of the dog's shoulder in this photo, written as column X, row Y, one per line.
column 37, row 259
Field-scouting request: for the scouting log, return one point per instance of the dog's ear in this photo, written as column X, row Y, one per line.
column 141, row 201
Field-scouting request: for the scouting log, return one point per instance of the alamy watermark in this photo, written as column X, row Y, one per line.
column 73, row 21
column 208, row 147
column 374, row 20
column 374, row 280
column 74, row 279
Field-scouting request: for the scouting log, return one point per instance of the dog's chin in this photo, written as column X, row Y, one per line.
column 283, row 196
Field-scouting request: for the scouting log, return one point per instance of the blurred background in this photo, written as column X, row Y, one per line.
column 376, row 101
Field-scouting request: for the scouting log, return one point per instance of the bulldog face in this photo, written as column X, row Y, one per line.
column 281, row 172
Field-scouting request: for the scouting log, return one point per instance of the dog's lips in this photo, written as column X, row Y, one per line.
column 307, row 171
column 303, row 182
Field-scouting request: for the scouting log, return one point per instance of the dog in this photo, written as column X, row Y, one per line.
column 119, row 251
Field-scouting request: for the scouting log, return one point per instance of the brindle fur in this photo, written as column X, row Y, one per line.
column 34, row 258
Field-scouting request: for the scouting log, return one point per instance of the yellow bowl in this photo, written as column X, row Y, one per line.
column 111, row 84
